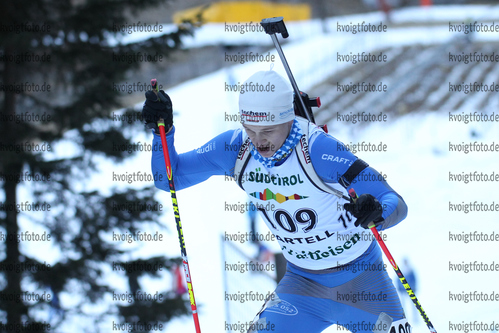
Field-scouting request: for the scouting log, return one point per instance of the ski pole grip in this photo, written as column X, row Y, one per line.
column 352, row 194
column 161, row 122
column 273, row 25
column 155, row 88
column 354, row 197
column 154, row 85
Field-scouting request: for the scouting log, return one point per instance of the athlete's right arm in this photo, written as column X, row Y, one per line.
column 216, row 157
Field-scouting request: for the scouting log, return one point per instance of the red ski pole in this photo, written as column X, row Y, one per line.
column 401, row 276
column 161, row 125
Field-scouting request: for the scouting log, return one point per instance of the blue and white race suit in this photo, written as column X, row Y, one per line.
column 335, row 270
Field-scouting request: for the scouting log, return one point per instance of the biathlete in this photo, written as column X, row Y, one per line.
column 335, row 272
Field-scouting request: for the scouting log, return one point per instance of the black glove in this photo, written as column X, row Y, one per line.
column 155, row 108
column 366, row 209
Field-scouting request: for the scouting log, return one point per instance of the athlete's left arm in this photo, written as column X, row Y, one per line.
column 331, row 159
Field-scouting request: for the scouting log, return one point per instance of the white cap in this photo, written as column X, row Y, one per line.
column 266, row 98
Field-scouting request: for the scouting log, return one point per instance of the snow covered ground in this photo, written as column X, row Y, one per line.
column 417, row 164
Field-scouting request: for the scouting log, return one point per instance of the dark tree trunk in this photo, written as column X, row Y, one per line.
column 12, row 165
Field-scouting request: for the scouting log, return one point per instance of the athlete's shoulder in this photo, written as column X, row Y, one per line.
column 323, row 146
column 236, row 135
column 233, row 139
column 329, row 156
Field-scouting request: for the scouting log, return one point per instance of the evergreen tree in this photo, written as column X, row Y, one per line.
column 60, row 64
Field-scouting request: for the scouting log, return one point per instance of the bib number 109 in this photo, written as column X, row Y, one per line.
column 304, row 218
